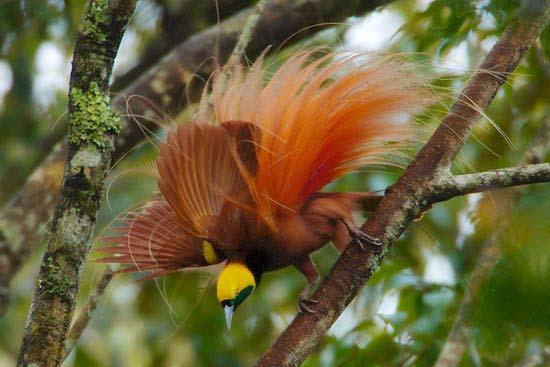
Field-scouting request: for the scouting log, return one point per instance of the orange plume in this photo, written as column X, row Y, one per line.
column 319, row 120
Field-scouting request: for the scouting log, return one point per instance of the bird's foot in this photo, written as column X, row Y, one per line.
column 304, row 304
column 359, row 236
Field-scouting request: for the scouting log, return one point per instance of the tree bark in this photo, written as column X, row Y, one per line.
column 92, row 131
column 409, row 196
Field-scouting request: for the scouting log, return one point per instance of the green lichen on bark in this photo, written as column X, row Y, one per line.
column 97, row 15
column 92, row 116
column 55, row 283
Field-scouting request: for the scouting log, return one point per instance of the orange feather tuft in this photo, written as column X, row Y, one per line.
column 319, row 120
column 205, row 175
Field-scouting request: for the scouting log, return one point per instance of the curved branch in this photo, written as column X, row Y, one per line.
column 92, row 131
column 406, row 199
column 448, row 188
column 165, row 85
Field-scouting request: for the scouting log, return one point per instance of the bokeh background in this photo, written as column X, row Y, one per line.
column 404, row 314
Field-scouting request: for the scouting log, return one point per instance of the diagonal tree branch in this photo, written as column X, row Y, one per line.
column 164, row 86
column 92, row 131
column 407, row 198
column 460, row 334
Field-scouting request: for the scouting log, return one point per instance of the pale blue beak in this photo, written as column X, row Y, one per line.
column 228, row 315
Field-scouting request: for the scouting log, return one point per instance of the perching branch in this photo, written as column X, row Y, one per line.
column 446, row 189
column 407, row 198
column 165, row 86
column 459, row 336
column 92, row 131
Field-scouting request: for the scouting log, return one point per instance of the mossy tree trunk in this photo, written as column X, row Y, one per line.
column 92, row 131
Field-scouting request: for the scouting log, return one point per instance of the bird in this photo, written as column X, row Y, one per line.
column 241, row 183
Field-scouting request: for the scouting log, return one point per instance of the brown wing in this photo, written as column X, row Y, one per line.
column 207, row 175
column 153, row 239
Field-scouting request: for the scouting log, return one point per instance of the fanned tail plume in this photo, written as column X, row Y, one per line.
column 319, row 119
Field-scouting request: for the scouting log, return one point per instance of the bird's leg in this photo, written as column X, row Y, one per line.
column 360, row 236
column 307, row 268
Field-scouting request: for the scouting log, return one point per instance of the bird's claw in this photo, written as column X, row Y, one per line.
column 303, row 304
column 361, row 237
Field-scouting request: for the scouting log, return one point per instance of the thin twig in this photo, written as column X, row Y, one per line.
column 240, row 46
column 246, row 34
column 448, row 188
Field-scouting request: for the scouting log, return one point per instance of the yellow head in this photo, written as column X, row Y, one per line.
column 235, row 283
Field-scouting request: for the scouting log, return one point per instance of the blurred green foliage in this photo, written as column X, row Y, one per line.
column 403, row 316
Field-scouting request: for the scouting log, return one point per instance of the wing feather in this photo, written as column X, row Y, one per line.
column 207, row 175
column 154, row 239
